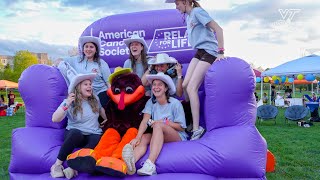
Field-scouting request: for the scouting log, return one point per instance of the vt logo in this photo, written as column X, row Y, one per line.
column 288, row 14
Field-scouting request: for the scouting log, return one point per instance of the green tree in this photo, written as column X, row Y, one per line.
column 21, row 61
column 7, row 73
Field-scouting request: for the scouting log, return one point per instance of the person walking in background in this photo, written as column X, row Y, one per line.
column 2, row 100
column 206, row 36
column 89, row 62
column 11, row 98
column 265, row 98
column 82, row 109
column 273, row 94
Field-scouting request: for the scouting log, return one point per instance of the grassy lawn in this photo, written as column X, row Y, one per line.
column 297, row 149
column 7, row 123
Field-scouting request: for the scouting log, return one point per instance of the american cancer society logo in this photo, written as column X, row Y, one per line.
column 169, row 40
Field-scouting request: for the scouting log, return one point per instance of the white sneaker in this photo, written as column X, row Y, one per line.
column 148, row 168
column 56, row 171
column 127, row 156
column 197, row 134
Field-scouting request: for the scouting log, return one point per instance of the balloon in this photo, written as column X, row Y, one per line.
column 287, row 79
column 276, row 81
column 274, row 77
column 266, row 79
column 283, row 79
column 310, row 77
column 290, row 80
column 300, row 77
column 258, row 79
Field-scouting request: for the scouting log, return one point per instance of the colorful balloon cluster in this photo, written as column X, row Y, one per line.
column 283, row 79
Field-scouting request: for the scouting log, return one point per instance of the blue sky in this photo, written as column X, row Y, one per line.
column 266, row 33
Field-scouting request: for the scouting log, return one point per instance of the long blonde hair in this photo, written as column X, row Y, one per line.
column 93, row 102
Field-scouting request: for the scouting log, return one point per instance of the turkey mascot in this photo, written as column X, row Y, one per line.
column 124, row 116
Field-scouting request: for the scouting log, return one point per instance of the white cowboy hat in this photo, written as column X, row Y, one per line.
column 162, row 58
column 173, row 1
column 165, row 78
column 78, row 79
column 136, row 38
column 85, row 39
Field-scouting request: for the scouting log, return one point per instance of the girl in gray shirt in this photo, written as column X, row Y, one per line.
column 165, row 115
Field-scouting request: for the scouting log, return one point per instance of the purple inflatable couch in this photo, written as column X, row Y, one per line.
column 231, row 148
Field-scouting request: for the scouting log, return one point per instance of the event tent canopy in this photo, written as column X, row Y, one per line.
column 305, row 65
column 5, row 84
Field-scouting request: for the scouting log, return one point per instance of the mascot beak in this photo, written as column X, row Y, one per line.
column 124, row 99
column 121, row 105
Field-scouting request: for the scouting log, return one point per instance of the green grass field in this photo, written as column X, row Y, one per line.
column 297, row 149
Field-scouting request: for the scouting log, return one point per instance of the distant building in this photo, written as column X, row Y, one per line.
column 6, row 60
column 42, row 58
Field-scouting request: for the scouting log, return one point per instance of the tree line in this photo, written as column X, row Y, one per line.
column 21, row 61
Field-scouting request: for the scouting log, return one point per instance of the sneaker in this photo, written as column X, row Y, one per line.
column 127, row 156
column 70, row 173
column 197, row 134
column 56, row 171
column 148, row 168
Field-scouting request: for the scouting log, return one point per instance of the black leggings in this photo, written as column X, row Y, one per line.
column 73, row 138
column 104, row 98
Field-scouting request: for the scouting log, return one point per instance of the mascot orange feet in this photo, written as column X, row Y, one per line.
column 106, row 156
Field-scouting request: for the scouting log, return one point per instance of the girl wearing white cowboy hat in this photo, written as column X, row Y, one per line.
column 138, row 60
column 165, row 115
column 206, row 36
column 164, row 63
column 82, row 108
column 89, row 61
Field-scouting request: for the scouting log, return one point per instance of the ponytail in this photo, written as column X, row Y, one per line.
column 195, row 3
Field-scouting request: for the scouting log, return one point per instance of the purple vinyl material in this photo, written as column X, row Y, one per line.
column 231, row 148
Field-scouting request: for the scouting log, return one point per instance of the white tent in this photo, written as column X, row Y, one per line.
column 305, row 65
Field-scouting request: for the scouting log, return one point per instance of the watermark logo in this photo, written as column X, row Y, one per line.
column 169, row 40
column 288, row 14
column 286, row 21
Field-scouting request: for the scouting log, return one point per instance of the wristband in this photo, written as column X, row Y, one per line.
column 166, row 121
column 65, row 107
column 220, row 49
column 220, row 52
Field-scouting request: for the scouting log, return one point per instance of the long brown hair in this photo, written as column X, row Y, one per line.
column 93, row 102
column 194, row 3
column 143, row 59
column 96, row 57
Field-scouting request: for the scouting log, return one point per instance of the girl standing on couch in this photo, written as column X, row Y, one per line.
column 165, row 115
column 206, row 36
column 82, row 109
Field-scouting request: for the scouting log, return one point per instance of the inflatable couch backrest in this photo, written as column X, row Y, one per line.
column 229, row 89
column 42, row 89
